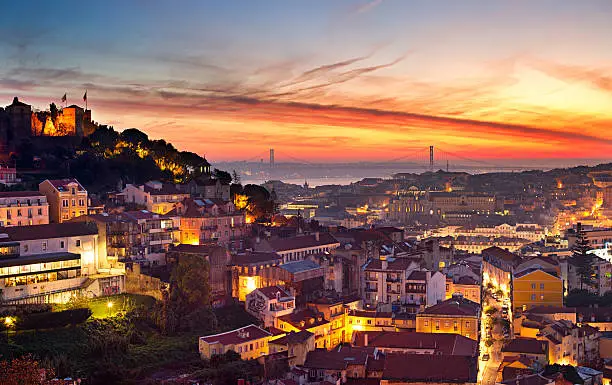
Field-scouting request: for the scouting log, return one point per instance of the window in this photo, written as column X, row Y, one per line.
column 214, row 351
column 426, row 323
column 78, row 243
column 81, row 202
column 369, row 322
column 64, row 202
column 61, row 244
column 467, row 324
column 437, row 325
column 18, row 212
column 541, row 297
column 251, row 347
column 541, row 286
column 73, row 191
column 25, row 248
column 44, row 245
column 74, row 202
column 533, row 285
column 533, row 297
column 455, row 326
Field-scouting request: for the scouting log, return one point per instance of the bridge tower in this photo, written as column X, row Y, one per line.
column 431, row 158
column 271, row 158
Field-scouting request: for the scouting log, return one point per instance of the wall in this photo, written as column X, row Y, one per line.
column 137, row 283
column 524, row 291
column 466, row 326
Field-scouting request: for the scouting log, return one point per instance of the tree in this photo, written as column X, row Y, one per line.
column 583, row 260
column 24, row 370
column 187, row 302
column 235, row 177
column 223, row 176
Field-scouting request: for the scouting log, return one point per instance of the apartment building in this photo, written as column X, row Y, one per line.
column 250, row 342
column 139, row 236
column 385, row 280
column 67, row 199
column 156, row 196
column 455, row 315
column 54, row 262
column 299, row 247
column 23, row 208
column 269, row 303
column 536, row 287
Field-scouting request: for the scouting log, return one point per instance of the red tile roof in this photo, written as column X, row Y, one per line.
column 310, row 318
column 430, row 368
column 441, row 343
column 255, row 258
column 335, row 359
column 454, row 306
column 293, row 338
column 302, row 242
column 526, row 346
column 244, row 334
column 62, row 184
column 417, row 275
column 393, row 264
column 467, row 280
column 270, row 292
column 19, row 194
column 53, row 230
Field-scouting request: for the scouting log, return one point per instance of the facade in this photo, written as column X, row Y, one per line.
column 300, row 247
column 529, row 231
column 535, row 287
column 8, row 175
column 250, row 342
column 385, row 280
column 157, row 197
column 425, row 289
column 137, row 236
column 297, row 345
column 206, row 220
column 23, row 208
column 55, row 262
column 269, row 303
column 307, row 319
column 67, row 199
column 207, row 189
column 467, row 286
column 456, row 315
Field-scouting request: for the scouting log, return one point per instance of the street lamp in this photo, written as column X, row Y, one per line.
column 109, row 305
column 8, row 322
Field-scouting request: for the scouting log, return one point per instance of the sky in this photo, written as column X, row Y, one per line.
column 325, row 80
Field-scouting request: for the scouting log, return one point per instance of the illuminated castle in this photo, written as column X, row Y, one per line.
column 18, row 121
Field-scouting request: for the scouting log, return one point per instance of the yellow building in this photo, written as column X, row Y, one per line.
column 456, row 315
column 466, row 286
column 67, row 199
column 250, row 342
column 311, row 320
column 535, row 287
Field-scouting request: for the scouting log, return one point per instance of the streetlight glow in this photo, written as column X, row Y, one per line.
column 109, row 304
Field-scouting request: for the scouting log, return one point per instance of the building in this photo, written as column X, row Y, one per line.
column 67, row 199
column 336, row 366
column 23, row 208
column 269, row 303
column 335, row 311
column 250, row 342
column 531, row 348
column 156, row 196
column 297, row 345
column 253, row 270
column 55, row 262
column 455, row 315
column 8, row 175
column 299, row 247
column 417, row 343
column 535, row 287
column 137, row 236
column 219, row 274
column 402, row 368
column 424, row 289
column 207, row 188
column 465, row 285
column 206, row 220
column 385, row 280
column 307, row 319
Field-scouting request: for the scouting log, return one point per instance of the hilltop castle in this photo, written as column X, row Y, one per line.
column 18, row 121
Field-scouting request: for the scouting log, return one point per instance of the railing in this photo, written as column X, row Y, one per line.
column 371, row 289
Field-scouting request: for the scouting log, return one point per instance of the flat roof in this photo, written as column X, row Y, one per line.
column 38, row 258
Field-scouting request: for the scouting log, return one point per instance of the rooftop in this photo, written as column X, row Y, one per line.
column 244, row 334
column 38, row 258
column 63, row 185
column 300, row 266
column 49, row 231
column 525, row 346
column 441, row 343
column 454, row 306
column 256, row 257
column 271, row 292
column 335, row 359
column 293, row 338
column 19, row 194
column 304, row 319
column 430, row 368
column 302, row 242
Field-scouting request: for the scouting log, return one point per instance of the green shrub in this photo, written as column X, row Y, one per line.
column 52, row 320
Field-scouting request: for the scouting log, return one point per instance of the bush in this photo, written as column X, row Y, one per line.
column 53, row 320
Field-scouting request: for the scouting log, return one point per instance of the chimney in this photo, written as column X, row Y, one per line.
column 317, row 237
column 365, row 339
column 383, row 262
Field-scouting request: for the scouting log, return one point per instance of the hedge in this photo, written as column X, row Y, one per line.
column 52, row 320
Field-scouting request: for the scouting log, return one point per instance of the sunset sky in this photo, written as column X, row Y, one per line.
column 325, row 80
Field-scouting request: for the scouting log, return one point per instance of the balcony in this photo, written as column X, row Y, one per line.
column 371, row 278
column 371, row 289
column 209, row 228
column 393, row 279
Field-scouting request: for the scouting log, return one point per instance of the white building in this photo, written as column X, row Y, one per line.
column 156, row 196
column 269, row 303
column 53, row 263
column 424, row 288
